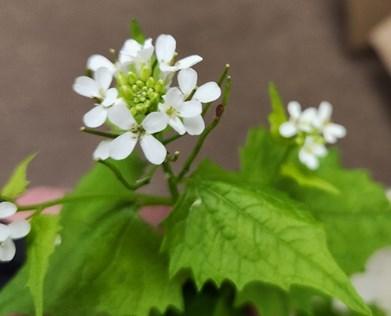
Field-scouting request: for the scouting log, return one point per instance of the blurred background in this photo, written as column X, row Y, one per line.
column 313, row 50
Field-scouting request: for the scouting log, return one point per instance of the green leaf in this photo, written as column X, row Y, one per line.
column 262, row 156
column 269, row 300
column 221, row 231
column 306, row 178
column 18, row 182
column 45, row 229
column 135, row 31
column 357, row 220
column 108, row 262
column 278, row 115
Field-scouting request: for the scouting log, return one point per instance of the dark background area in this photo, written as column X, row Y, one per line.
column 301, row 45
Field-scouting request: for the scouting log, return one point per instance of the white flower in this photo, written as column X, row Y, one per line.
column 131, row 52
column 8, row 232
column 331, row 131
column 311, row 151
column 182, row 114
column 122, row 146
column 165, row 53
column 185, row 116
column 298, row 121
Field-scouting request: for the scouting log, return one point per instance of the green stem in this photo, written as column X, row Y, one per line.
column 142, row 199
column 98, row 133
column 220, row 82
column 170, row 139
column 117, row 174
column 171, row 179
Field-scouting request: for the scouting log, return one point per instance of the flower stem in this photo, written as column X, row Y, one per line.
column 170, row 139
column 171, row 179
column 142, row 199
column 98, row 133
column 220, row 82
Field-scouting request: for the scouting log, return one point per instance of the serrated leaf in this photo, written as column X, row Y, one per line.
column 357, row 220
column 135, row 32
column 221, row 231
column 108, row 263
column 277, row 115
column 262, row 156
column 42, row 243
column 269, row 300
column 18, row 182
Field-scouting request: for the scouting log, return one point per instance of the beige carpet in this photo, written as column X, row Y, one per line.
column 298, row 44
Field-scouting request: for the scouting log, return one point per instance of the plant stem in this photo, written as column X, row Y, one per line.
column 220, row 82
column 170, row 139
column 117, row 174
column 171, row 179
column 142, row 199
column 98, row 133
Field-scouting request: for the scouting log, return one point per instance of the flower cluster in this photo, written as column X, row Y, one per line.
column 8, row 232
column 134, row 96
column 312, row 129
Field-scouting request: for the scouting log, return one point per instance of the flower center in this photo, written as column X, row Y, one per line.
column 171, row 112
column 141, row 92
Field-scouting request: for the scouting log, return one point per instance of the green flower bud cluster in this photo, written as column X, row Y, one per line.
column 141, row 91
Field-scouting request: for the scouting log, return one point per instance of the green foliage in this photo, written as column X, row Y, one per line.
column 45, row 229
column 357, row 220
column 262, row 156
column 136, row 32
column 221, row 231
column 18, row 182
column 108, row 263
column 269, row 300
column 278, row 115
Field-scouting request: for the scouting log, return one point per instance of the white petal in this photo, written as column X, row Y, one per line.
column 129, row 50
column 4, row 232
column 19, row 229
column 122, row 146
column 155, row 122
column 194, row 125
column 153, row 150
column 102, row 151
column 208, row 92
column 110, row 98
column 325, row 111
column 174, row 97
column 308, row 159
column 86, row 87
column 191, row 108
column 288, row 129
column 165, row 48
column 177, row 125
column 103, row 78
column 120, row 115
column 7, row 250
column 333, row 131
column 319, row 150
column 308, row 120
column 188, row 62
column 98, row 61
column 7, row 209
column 187, row 80
column 294, row 109
column 95, row 117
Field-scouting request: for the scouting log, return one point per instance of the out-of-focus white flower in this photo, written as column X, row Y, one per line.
column 299, row 121
column 131, row 52
column 185, row 115
column 374, row 285
column 180, row 113
column 331, row 131
column 311, row 151
column 122, row 146
column 165, row 53
column 9, row 232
